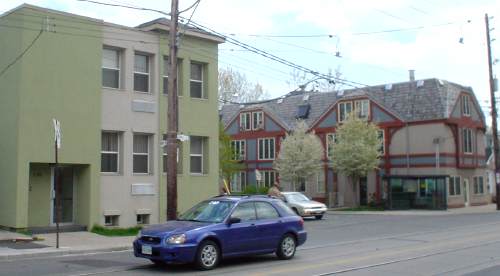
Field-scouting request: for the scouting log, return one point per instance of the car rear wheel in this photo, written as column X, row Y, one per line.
column 319, row 216
column 286, row 248
column 208, row 255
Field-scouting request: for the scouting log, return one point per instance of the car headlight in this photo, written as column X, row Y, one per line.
column 177, row 239
column 139, row 234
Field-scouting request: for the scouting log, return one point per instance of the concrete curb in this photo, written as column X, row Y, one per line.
column 61, row 252
column 407, row 213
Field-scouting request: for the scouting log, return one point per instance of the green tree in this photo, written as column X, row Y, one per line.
column 300, row 155
column 228, row 164
column 355, row 151
column 234, row 87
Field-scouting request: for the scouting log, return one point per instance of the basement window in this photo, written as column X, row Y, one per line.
column 111, row 220
column 143, row 219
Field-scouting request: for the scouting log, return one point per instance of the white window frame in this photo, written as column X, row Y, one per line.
column 148, row 61
column 239, row 181
column 245, row 120
column 239, row 148
column 266, row 177
column 165, row 74
column 141, row 154
column 359, row 111
column 257, row 120
column 467, row 145
column 113, row 152
column 115, row 220
column 465, row 105
column 329, row 155
column 202, row 96
column 197, row 155
column 320, row 182
column 267, row 145
column 142, row 220
column 456, row 184
column 119, row 56
column 340, row 117
column 382, row 142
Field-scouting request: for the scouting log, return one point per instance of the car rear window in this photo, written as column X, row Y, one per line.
column 266, row 211
column 285, row 208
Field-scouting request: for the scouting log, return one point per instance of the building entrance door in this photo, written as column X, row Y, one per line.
column 363, row 191
column 66, row 180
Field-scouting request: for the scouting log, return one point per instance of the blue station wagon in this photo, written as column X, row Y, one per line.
column 222, row 227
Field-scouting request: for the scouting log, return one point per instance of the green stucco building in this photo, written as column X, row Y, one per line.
column 105, row 83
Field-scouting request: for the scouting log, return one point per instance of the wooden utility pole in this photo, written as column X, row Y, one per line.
column 172, row 116
column 57, row 181
column 493, row 114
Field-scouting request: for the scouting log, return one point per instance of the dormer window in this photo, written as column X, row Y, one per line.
column 360, row 107
column 465, row 105
column 251, row 121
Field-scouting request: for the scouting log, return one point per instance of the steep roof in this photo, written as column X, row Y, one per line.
column 431, row 99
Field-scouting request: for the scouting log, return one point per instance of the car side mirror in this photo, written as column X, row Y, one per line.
column 233, row 220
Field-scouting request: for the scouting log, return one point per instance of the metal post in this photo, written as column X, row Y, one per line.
column 58, row 194
column 493, row 113
column 172, row 116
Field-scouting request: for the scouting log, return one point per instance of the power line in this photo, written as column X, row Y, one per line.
column 22, row 54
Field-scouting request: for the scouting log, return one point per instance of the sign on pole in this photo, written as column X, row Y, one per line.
column 57, row 132
column 258, row 175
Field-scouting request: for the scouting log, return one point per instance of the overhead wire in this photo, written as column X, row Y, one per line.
column 20, row 56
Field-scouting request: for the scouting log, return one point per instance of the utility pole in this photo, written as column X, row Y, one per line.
column 172, row 115
column 493, row 113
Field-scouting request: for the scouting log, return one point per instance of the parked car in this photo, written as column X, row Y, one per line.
column 303, row 206
column 222, row 227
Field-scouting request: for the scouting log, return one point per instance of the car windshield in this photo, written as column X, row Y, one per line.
column 296, row 197
column 208, row 211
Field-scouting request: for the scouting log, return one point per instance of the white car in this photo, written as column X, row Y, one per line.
column 303, row 206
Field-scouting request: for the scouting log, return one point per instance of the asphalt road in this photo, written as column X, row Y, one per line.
column 340, row 244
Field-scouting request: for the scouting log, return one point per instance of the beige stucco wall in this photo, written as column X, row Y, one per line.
column 421, row 139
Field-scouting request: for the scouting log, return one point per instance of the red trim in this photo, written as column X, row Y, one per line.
column 257, row 134
column 446, row 154
column 433, row 165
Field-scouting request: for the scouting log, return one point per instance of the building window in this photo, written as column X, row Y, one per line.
column 381, row 138
column 196, row 154
column 141, row 73
column 330, row 140
column 454, row 186
column 238, row 147
column 143, row 219
column 465, row 105
column 257, row 120
column 245, row 121
column 110, row 68
column 478, row 185
column 344, row 109
column 467, row 140
column 109, row 152
column 300, row 186
column 196, row 81
column 179, row 155
column 266, row 149
column 141, row 153
column 269, row 177
column 111, row 220
column 362, row 109
column 239, row 182
column 166, row 70
column 320, row 181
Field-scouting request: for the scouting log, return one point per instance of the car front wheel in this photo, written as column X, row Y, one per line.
column 286, row 248
column 208, row 255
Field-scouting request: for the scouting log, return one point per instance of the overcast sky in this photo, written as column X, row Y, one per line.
column 424, row 36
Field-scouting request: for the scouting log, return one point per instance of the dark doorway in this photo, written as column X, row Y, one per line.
column 363, row 191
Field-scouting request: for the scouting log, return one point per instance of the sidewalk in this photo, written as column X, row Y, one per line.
column 70, row 243
column 490, row 208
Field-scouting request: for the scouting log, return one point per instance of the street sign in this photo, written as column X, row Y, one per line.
column 57, row 132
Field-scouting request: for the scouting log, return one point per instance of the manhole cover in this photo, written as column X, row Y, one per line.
column 21, row 245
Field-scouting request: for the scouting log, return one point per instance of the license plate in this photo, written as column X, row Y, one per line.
column 147, row 250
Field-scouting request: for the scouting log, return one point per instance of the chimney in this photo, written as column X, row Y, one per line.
column 412, row 75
